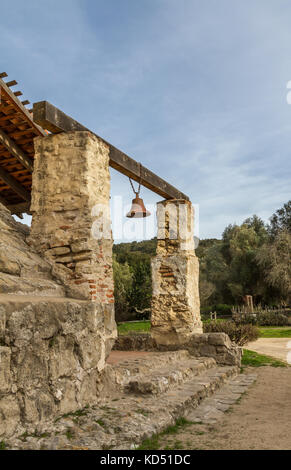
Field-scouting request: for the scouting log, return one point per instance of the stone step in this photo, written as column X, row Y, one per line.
column 123, row 421
column 164, row 379
column 137, row 374
column 212, row 409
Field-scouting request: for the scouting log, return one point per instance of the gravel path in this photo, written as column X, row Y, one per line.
column 261, row 419
column 275, row 347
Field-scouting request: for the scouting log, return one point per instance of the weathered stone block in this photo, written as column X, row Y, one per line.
column 62, row 358
column 219, row 339
column 9, row 415
column 5, row 374
column 175, row 275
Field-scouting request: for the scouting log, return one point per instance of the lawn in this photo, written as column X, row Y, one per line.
column 253, row 359
column 134, row 327
column 275, row 332
column 144, row 327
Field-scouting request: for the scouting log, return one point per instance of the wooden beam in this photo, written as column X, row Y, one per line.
column 3, row 201
column 51, row 118
column 16, row 151
column 22, row 208
column 15, row 185
column 16, row 209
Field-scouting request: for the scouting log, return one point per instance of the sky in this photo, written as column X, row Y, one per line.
column 195, row 90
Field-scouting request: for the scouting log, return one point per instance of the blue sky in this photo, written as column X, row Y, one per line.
column 195, row 90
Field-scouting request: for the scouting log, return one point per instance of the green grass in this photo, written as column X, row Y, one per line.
column 134, row 327
column 253, row 359
column 153, row 443
column 275, row 332
column 3, row 445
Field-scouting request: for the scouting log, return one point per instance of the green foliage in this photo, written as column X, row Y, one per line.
column 153, row 442
column 274, row 260
column 222, row 309
column 132, row 278
column 3, row 445
column 272, row 319
column 240, row 334
column 281, row 220
column 123, row 279
column 250, row 259
column 265, row 319
column 253, row 359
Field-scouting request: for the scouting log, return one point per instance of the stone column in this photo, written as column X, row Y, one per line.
column 175, row 274
column 71, row 217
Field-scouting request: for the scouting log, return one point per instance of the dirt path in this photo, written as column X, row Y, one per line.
column 261, row 420
column 275, row 347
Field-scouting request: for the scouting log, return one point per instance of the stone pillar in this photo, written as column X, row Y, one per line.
column 175, row 274
column 71, row 217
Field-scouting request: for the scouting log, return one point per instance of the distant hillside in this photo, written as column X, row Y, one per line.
column 124, row 252
column 133, row 251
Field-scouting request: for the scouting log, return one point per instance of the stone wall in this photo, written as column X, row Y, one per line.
column 57, row 323
column 215, row 345
column 52, row 352
column 22, row 270
column 175, row 274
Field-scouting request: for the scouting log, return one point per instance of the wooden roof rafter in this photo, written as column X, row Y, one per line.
column 17, row 131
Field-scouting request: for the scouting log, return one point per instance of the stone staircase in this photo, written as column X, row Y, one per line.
column 145, row 393
column 159, row 373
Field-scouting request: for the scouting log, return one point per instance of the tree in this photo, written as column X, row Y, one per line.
column 281, row 220
column 240, row 245
column 274, row 258
column 141, row 289
column 123, row 279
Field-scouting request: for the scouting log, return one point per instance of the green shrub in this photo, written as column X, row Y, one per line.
column 272, row 319
column 263, row 319
column 238, row 333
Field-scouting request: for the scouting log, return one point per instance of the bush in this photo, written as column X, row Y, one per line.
column 272, row 319
column 238, row 333
column 263, row 319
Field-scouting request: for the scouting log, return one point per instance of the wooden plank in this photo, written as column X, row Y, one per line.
column 11, row 83
column 51, row 118
column 4, row 89
column 15, row 151
column 15, row 185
